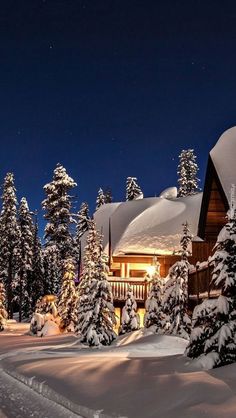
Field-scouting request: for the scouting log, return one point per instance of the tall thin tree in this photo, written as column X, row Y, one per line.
column 10, row 240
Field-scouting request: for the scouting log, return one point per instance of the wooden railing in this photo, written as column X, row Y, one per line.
column 199, row 284
column 140, row 288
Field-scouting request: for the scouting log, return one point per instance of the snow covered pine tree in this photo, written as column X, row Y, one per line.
column 36, row 275
column 175, row 295
column 68, row 298
column 10, row 241
column 133, row 191
column 25, row 287
column 187, row 172
column 96, row 314
column 57, row 206
column 82, row 225
column 101, row 199
column 216, row 334
column 130, row 320
column 3, row 312
column 154, row 315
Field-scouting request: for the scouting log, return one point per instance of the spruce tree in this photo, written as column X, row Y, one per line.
column 68, row 298
column 216, row 332
column 101, row 199
column 153, row 305
column 36, row 275
column 108, row 195
column 3, row 312
column 175, row 297
column 25, row 290
column 52, row 266
column 96, row 315
column 187, row 172
column 82, row 225
column 130, row 320
column 133, row 191
column 10, row 241
column 57, row 206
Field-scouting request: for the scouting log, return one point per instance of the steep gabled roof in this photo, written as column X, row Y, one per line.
column 220, row 174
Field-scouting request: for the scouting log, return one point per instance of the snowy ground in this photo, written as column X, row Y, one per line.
column 141, row 376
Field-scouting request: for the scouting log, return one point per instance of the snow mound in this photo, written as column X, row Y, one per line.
column 50, row 328
column 144, row 343
column 169, row 193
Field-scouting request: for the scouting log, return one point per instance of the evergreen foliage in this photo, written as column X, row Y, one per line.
column 10, row 241
column 96, row 315
column 153, row 304
column 83, row 220
column 187, row 172
column 82, row 225
column 101, row 199
column 130, row 320
column 214, row 335
column 36, row 275
column 133, row 191
column 57, row 206
column 25, row 288
column 52, row 270
column 68, row 298
column 108, row 195
column 175, row 295
column 3, row 312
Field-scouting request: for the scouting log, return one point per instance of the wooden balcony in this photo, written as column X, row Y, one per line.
column 119, row 285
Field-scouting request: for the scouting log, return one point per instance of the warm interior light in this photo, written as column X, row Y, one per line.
column 150, row 270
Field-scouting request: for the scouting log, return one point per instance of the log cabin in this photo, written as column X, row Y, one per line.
column 137, row 231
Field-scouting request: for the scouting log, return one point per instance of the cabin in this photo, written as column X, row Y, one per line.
column 136, row 232
column 220, row 175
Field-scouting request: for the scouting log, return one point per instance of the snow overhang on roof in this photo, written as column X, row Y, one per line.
column 223, row 156
column 147, row 226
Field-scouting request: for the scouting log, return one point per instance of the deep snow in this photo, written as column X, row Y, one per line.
column 140, row 375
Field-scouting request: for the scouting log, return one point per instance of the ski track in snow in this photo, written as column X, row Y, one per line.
column 19, row 401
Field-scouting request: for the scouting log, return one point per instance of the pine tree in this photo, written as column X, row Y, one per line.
column 108, row 195
column 153, row 305
column 26, row 257
column 83, row 220
column 36, row 275
column 82, row 225
column 52, row 270
column 175, row 297
column 133, row 191
column 57, row 206
column 101, row 199
column 130, row 320
column 3, row 312
column 187, row 172
column 217, row 332
column 68, row 298
column 10, row 241
column 96, row 315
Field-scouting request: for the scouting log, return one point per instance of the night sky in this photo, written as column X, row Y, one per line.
column 112, row 89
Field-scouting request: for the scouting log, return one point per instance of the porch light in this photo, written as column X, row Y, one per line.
column 150, row 270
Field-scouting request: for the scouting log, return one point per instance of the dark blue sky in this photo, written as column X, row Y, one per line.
column 112, row 89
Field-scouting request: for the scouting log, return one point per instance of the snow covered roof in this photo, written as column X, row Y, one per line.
column 223, row 157
column 149, row 225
